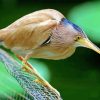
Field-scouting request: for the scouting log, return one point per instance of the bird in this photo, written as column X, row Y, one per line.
column 45, row 34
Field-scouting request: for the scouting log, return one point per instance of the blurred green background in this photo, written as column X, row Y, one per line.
column 76, row 78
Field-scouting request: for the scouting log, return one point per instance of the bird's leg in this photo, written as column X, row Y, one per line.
column 24, row 62
column 28, row 68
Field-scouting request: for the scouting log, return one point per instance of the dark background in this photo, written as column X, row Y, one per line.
column 76, row 78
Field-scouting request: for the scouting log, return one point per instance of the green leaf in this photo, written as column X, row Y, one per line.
column 87, row 16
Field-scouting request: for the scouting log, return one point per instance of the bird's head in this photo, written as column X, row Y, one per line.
column 63, row 40
column 69, row 34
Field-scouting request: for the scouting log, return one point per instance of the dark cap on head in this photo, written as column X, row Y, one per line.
column 64, row 21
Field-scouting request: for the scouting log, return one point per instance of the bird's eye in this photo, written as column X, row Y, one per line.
column 47, row 41
column 77, row 38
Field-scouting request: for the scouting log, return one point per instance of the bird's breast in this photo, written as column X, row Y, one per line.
column 54, row 54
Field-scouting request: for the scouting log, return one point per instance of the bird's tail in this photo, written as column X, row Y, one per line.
column 3, row 33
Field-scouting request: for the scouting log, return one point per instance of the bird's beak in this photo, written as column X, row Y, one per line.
column 85, row 42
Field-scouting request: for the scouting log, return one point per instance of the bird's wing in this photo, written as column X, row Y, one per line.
column 29, row 36
column 32, row 29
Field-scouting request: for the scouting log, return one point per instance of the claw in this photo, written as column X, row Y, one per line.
column 39, row 79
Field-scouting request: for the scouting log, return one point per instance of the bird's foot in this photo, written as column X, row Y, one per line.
column 24, row 66
column 39, row 79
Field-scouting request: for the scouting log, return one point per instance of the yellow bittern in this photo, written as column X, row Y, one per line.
column 44, row 34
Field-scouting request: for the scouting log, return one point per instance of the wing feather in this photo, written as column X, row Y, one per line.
column 29, row 36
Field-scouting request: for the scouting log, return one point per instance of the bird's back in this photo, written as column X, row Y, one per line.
column 37, row 17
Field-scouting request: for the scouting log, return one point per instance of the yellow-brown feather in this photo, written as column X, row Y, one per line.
column 28, row 36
